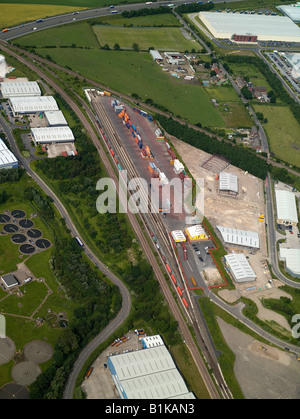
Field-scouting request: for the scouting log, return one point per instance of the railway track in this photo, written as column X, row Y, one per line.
column 160, row 231
column 211, row 387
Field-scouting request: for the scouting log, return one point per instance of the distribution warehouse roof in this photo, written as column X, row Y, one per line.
column 266, row 28
column 22, row 88
column 228, row 182
column 33, row 104
column 52, row 134
column 286, row 206
column 149, row 374
column 292, row 260
column 292, row 11
column 6, row 156
column 240, row 267
column 239, row 237
column 55, row 118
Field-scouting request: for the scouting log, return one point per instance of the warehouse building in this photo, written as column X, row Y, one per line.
column 228, row 183
column 19, row 89
column 196, row 232
column 239, row 267
column 291, row 257
column 32, row 104
column 266, row 28
column 156, row 56
column 7, row 158
column 286, row 208
column 9, row 280
column 151, row 341
column 239, row 237
column 149, row 373
column 292, row 11
column 178, row 236
column 55, row 118
column 50, row 135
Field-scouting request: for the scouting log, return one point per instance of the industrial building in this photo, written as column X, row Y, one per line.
column 9, row 280
column 291, row 257
column 7, row 158
column 228, row 183
column 148, row 373
column 286, row 208
column 265, row 27
column 292, row 11
column 19, row 89
column 55, row 118
column 49, row 135
column 178, row 236
column 32, row 104
column 174, row 58
column 156, row 56
column 151, row 341
column 196, row 232
column 239, row 237
column 239, row 267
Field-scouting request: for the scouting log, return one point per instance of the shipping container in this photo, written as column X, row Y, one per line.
column 193, row 281
column 179, row 291
column 168, row 268
column 150, row 117
column 173, row 279
column 106, row 93
column 115, row 159
column 147, row 150
column 119, row 166
column 184, row 302
column 133, row 127
column 112, row 152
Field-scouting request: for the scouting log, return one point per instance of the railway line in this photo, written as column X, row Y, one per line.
column 214, row 391
column 108, row 134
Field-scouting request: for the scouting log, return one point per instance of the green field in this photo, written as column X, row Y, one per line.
column 283, row 132
column 158, row 38
column 132, row 72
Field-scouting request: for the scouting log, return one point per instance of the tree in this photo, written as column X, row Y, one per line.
column 117, row 47
column 135, row 47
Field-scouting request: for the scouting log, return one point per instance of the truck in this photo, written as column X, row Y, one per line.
column 39, row 20
column 4, row 30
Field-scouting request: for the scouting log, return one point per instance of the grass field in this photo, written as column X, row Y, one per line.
column 14, row 14
column 283, row 132
column 79, row 34
column 158, row 38
column 132, row 72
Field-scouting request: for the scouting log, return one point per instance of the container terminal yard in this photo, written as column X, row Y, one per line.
column 137, row 145
column 126, row 154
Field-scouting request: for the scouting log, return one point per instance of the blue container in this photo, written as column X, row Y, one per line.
column 133, row 127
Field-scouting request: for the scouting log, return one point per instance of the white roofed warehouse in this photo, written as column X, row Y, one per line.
column 228, row 183
column 32, row 104
column 7, row 158
column 286, row 208
column 55, row 118
column 19, row 89
column 239, row 237
column 264, row 27
column 148, row 373
column 291, row 257
column 49, row 135
column 240, row 268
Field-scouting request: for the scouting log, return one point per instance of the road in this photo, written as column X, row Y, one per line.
column 176, row 311
column 235, row 311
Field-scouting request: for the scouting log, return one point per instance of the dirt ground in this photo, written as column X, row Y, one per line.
column 262, row 371
column 240, row 212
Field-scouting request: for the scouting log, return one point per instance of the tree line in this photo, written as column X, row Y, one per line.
column 276, row 85
column 238, row 156
column 146, row 12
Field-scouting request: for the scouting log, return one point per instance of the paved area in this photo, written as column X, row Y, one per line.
column 100, row 384
column 263, row 373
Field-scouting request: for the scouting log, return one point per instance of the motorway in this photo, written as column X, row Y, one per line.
column 235, row 311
